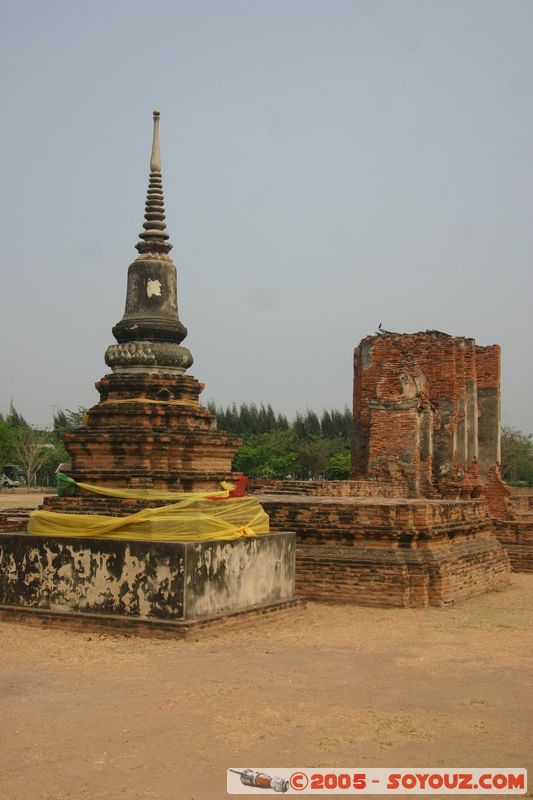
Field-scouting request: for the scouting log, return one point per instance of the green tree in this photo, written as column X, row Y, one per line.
column 68, row 420
column 313, row 456
column 517, row 455
column 343, row 422
column 268, row 455
column 299, row 426
column 327, row 426
column 312, row 425
column 309, row 447
column 15, row 419
column 282, row 423
column 339, row 467
column 6, row 444
column 32, row 449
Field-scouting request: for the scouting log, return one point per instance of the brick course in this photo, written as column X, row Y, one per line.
column 355, row 488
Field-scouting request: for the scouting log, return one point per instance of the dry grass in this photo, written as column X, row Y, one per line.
column 88, row 716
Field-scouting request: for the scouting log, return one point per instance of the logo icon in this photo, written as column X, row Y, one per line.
column 260, row 780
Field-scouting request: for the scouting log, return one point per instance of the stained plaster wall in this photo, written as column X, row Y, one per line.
column 145, row 580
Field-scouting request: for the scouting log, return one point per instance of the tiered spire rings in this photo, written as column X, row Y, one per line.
column 153, row 236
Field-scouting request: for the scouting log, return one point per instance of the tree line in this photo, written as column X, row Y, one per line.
column 273, row 447
column 310, row 446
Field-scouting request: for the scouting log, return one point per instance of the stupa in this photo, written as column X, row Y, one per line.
column 149, row 429
column 148, row 444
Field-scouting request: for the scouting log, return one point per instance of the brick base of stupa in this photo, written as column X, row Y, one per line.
column 149, row 431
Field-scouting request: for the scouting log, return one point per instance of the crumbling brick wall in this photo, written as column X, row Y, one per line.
column 498, row 495
column 426, row 408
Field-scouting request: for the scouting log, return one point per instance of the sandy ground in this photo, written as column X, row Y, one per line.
column 19, row 499
column 108, row 716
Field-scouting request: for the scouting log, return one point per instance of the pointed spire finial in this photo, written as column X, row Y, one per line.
column 155, row 161
column 154, row 238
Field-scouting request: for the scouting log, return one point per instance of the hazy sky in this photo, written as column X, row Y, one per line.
column 327, row 166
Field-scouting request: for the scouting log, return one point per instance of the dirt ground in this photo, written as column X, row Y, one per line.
column 108, row 716
column 19, row 499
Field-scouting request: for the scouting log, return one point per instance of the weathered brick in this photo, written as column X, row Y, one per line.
column 426, row 408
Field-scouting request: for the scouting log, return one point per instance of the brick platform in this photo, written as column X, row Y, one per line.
column 391, row 552
column 516, row 535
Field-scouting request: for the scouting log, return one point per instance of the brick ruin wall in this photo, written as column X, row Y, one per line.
column 426, row 409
